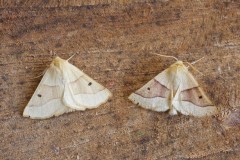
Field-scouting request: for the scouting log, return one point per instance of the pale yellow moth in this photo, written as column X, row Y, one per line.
column 64, row 88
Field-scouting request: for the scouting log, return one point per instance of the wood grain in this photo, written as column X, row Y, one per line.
column 114, row 41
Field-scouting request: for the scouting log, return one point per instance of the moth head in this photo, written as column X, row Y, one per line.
column 178, row 64
column 57, row 62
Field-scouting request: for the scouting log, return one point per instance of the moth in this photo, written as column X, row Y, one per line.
column 64, row 88
column 174, row 89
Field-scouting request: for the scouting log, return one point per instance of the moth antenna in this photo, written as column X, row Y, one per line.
column 190, row 64
column 197, row 60
column 165, row 56
column 71, row 56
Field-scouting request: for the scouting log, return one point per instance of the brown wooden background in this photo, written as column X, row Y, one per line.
column 114, row 40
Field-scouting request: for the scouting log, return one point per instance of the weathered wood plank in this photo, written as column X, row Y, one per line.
column 114, row 44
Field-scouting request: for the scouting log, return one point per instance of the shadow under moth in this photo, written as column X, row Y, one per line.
column 64, row 88
column 174, row 89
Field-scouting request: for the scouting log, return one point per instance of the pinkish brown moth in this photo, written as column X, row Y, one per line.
column 174, row 89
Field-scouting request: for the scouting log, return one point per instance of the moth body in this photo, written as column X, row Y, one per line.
column 176, row 90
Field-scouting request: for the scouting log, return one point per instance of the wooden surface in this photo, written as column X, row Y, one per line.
column 114, row 41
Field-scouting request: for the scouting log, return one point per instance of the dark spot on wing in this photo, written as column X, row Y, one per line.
column 148, row 88
column 200, row 97
column 90, row 83
column 39, row 95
